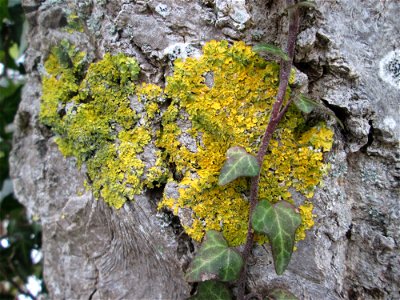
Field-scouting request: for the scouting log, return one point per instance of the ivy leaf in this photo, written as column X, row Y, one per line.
column 272, row 49
column 238, row 163
column 212, row 290
column 215, row 260
column 305, row 104
column 279, row 222
column 280, row 294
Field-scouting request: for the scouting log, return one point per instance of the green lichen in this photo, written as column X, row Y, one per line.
column 90, row 112
column 227, row 95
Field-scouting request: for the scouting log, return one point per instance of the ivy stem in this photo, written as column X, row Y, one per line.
column 276, row 115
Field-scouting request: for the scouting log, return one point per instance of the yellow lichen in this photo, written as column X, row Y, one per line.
column 219, row 100
column 226, row 95
column 92, row 116
column 307, row 220
column 150, row 95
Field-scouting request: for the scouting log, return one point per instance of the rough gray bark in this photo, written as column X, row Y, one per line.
column 94, row 251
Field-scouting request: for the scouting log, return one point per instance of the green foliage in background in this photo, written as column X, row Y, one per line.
column 18, row 236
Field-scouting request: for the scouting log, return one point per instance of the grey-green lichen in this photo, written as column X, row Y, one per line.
column 90, row 112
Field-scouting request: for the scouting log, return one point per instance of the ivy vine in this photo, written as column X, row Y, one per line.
column 215, row 261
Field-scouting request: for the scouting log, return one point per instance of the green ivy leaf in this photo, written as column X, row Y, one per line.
column 272, row 49
column 280, row 294
column 279, row 222
column 212, row 290
column 238, row 163
column 305, row 104
column 215, row 260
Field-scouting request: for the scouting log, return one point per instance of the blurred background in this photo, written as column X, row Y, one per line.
column 21, row 268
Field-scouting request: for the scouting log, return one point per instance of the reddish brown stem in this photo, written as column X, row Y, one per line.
column 276, row 115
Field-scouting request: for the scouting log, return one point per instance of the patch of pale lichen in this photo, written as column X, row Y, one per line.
column 226, row 95
column 91, row 114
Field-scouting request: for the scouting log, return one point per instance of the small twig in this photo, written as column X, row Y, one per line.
column 276, row 116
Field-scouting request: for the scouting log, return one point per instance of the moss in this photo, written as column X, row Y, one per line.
column 91, row 114
column 226, row 95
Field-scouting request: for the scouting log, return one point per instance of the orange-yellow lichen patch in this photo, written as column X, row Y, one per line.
column 226, row 96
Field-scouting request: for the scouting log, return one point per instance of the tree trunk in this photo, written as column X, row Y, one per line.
column 94, row 251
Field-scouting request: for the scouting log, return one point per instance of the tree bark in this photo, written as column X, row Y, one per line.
column 97, row 252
